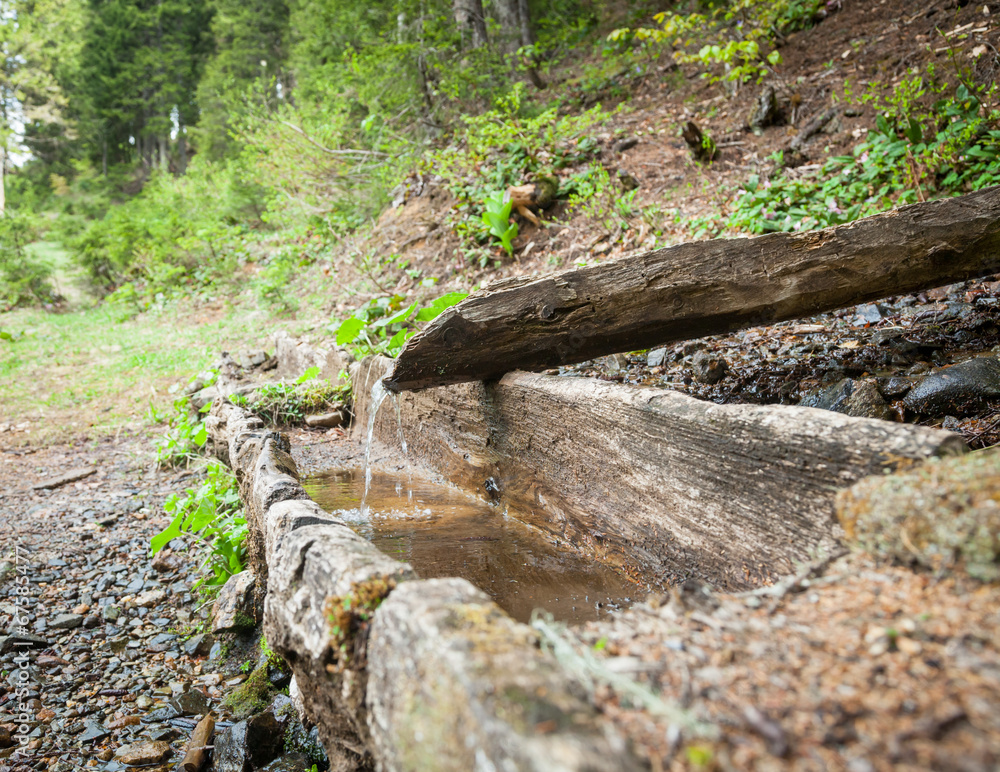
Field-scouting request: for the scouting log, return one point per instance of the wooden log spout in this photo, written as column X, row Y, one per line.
column 703, row 288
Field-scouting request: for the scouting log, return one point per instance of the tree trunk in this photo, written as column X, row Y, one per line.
column 182, row 153
column 699, row 289
column 524, row 17
column 471, row 22
column 515, row 26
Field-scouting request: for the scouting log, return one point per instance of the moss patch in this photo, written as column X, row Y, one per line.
column 252, row 696
column 942, row 514
column 350, row 614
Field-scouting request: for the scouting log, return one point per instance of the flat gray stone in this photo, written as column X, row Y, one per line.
column 66, row 621
column 63, row 479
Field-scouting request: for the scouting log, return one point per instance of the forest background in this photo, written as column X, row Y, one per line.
column 244, row 155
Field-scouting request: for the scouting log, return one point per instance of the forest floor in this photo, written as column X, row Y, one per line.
column 864, row 666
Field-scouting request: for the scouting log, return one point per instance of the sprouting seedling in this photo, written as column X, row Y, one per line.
column 497, row 219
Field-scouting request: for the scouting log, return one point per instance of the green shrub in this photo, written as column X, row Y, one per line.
column 210, row 515
column 24, row 278
column 282, row 403
column 383, row 324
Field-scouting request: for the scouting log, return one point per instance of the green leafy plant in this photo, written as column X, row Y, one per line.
column 949, row 147
column 497, row 219
column 384, row 324
column 185, row 435
column 740, row 32
column 211, row 516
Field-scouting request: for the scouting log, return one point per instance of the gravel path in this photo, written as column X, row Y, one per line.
column 97, row 655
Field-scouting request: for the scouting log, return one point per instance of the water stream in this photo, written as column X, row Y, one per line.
column 442, row 531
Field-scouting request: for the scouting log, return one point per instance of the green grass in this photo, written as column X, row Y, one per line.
column 82, row 371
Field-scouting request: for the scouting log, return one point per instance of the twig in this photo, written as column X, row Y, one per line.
column 328, row 151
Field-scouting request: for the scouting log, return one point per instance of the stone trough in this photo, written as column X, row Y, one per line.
column 411, row 674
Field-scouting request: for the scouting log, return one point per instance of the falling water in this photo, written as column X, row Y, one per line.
column 379, row 393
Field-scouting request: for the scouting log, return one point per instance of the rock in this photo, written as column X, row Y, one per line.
column 860, row 399
column 894, row 387
column 150, row 598
column 198, row 645
column 709, row 368
column 110, row 613
column 869, row 313
column 66, row 621
column 204, row 397
column 6, row 741
column 67, row 477
column 628, row 181
column 22, row 642
column 143, row 753
column 941, row 514
column 91, row 621
column 293, row 762
column 93, row 732
column 764, row 111
column 162, row 713
column 957, row 390
column 866, row 402
column 626, row 144
column 166, row 561
column 327, row 420
column 249, row 744
column 234, row 607
column 190, row 703
column 656, row 357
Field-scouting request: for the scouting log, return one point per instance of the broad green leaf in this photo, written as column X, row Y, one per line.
column 308, row 375
column 349, row 330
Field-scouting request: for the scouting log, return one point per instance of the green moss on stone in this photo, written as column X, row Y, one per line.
column 942, row 514
column 252, row 696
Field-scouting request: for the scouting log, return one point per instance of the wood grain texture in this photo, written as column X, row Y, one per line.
column 699, row 289
column 657, row 483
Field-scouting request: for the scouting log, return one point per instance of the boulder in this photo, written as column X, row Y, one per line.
column 250, row 744
column 941, row 514
column 235, row 607
column 957, row 390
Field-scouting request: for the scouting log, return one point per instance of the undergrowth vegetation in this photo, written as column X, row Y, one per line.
column 211, row 517
column 290, row 403
column 918, row 150
column 384, row 324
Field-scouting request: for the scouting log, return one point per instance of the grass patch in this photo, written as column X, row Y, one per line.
column 81, row 371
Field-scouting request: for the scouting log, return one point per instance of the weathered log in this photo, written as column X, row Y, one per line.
column 793, row 154
column 702, row 288
column 656, row 483
column 325, row 591
column 198, row 745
